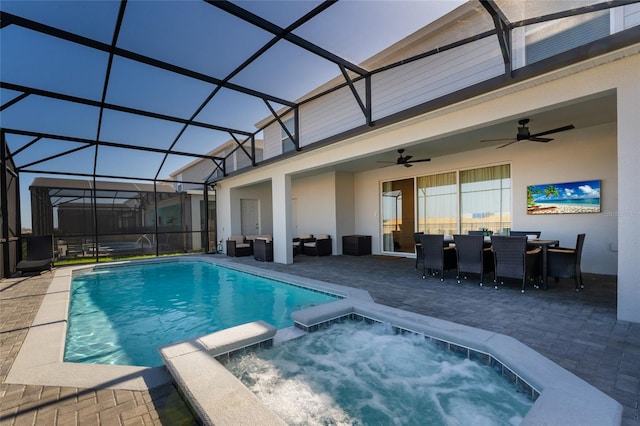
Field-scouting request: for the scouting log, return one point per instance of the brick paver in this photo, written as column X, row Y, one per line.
column 579, row 331
column 20, row 299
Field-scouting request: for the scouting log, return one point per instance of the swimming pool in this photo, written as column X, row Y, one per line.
column 358, row 373
column 121, row 314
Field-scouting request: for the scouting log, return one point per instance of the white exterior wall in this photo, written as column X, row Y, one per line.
column 393, row 91
column 272, row 140
column 196, row 173
column 586, row 153
column 345, row 207
column 435, row 76
column 628, row 210
column 631, row 15
column 582, row 154
column 316, row 204
column 332, row 114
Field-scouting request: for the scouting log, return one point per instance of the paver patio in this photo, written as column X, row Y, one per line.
column 579, row 331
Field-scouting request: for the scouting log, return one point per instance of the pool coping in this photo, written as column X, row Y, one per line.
column 40, row 358
column 563, row 397
column 560, row 397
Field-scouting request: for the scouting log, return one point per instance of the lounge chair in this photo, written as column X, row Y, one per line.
column 563, row 262
column 320, row 246
column 237, row 246
column 39, row 254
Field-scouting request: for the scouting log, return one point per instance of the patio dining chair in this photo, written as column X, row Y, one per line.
column 563, row 262
column 418, row 247
column 436, row 257
column 472, row 256
column 513, row 260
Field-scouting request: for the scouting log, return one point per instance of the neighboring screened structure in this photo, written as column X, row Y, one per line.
column 9, row 211
column 114, row 219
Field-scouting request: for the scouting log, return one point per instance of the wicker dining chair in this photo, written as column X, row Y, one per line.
column 512, row 260
column 563, row 262
column 418, row 247
column 472, row 256
column 435, row 256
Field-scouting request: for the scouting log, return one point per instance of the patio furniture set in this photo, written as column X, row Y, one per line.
column 261, row 246
column 258, row 246
column 313, row 245
column 520, row 255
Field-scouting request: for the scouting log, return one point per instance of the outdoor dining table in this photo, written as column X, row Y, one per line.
column 544, row 245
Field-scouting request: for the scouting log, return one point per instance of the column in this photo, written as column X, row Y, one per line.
column 282, row 232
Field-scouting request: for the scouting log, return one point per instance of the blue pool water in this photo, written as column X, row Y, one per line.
column 122, row 314
column 361, row 374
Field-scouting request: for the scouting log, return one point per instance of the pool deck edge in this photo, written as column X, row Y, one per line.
column 564, row 398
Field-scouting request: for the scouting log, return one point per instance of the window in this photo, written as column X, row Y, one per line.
column 447, row 203
column 438, row 204
column 287, row 143
column 485, row 199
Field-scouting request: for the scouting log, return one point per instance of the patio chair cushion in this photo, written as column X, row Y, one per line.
column 34, row 265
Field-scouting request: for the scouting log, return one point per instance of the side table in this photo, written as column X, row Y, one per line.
column 356, row 245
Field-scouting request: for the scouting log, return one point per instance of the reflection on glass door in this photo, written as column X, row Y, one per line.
column 438, row 204
column 398, row 221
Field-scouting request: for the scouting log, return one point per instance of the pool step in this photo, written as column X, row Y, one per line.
column 216, row 396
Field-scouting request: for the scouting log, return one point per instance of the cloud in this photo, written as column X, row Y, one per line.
column 589, row 192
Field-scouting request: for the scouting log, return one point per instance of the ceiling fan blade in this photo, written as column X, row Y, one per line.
column 497, row 140
column 507, row 144
column 407, row 158
column 408, row 165
column 532, row 139
column 420, row 161
column 548, row 132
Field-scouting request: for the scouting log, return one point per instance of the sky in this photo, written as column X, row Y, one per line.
column 192, row 35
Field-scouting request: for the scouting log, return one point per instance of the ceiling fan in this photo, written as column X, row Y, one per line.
column 405, row 160
column 524, row 134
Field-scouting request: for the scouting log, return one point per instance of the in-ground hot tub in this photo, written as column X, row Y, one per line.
column 561, row 398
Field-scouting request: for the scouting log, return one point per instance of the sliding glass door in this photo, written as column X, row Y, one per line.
column 398, row 222
column 445, row 203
